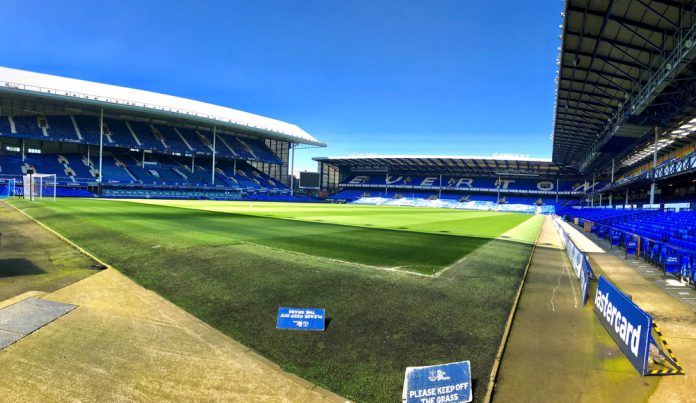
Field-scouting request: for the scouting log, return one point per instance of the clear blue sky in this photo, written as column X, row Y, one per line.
column 452, row 77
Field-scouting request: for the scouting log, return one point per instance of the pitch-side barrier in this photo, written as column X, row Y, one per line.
column 631, row 327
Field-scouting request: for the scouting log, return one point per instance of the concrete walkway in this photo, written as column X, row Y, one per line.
column 653, row 292
column 557, row 350
column 125, row 343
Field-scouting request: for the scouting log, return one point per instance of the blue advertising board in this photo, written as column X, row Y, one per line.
column 584, row 279
column 438, row 383
column 628, row 325
column 578, row 260
column 672, row 264
column 301, row 319
column 631, row 247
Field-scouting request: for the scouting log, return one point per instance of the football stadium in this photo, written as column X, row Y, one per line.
column 162, row 248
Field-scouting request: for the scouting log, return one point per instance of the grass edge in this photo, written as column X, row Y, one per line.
column 503, row 342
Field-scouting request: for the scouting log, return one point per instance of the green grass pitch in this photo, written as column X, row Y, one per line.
column 232, row 264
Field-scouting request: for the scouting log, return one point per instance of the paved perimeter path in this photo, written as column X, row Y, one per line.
column 557, row 350
column 676, row 318
column 125, row 343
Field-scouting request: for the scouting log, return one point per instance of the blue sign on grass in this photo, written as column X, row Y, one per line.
column 438, row 383
column 627, row 324
column 301, row 319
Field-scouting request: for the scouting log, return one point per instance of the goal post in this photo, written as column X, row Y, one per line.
column 40, row 186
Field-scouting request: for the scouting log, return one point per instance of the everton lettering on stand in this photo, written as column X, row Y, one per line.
column 627, row 324
column 301, row 319
column 438, row 383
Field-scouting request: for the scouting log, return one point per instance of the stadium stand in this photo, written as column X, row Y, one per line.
column 664, row 238
column 124, row 134
column 486, row 183
column 144, row 144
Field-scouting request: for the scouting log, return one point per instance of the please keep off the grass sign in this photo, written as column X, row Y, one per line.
column 438, row 383
column 301, row 319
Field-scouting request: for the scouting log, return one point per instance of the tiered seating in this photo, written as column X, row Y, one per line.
column 62, row 127
column 195, row 141
column 144, row 134
column 11, row 165
column 126, row 169
column 665, row 238
column 120, row 134
column 155, row 137
column 77, row 164
column 354, row 194
column 5, row 127
column 28, row 125
column 240, row 148
column 600, row 215
column 46, row 163
column 262, row 152
column 89, row 129
column 114, row 171
column 173, row 139
column 419, row 181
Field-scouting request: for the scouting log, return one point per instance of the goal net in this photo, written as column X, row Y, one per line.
column 40, row 186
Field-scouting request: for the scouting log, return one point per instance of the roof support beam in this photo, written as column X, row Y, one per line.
column 623, row 21
column 599, row 86
column 659, row 15
column 608, row 78
column 670, row 3
column 637, row 33
column 598, row 100
column 675, row 62
column 626, row 22
column 591, row 128
column 593, row 119
column 590, row 111
column 572, row 119
column 596, row 96
column 565, row 128
column 630, row 56
column 585, row 102
column 616, row 43
column 594, row 126
column 615, row 60
column 620, row 70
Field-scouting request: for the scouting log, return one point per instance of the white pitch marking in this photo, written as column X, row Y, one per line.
column 683, row 293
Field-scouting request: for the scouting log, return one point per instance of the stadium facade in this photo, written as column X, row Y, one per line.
column 472, row 182
column 113, row 141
